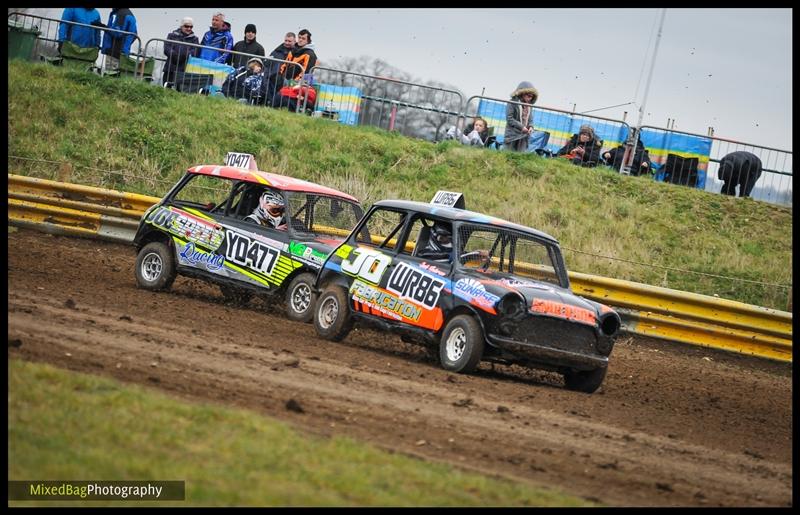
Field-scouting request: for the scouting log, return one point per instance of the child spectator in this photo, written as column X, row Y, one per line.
column 245, row 81
column 476, row 133
column 518, row 117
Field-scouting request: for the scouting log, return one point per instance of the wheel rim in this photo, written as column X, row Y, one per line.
column 152, row 266
column 301, row 298
column 328, row 311
column 456, row 343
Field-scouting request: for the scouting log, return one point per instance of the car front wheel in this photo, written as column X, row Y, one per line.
column 461, row 346
column 332, row 318
column 586, row 381
column 155, row 267
column 300, row 298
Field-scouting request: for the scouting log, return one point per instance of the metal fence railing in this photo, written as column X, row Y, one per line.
column 693, row 160
column 553, row 128
column 45, row 46
column 412, row 109
column 423, row 111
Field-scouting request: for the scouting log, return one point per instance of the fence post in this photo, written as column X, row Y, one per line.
column 789, row 305
column 393, row 116
column 65, row 172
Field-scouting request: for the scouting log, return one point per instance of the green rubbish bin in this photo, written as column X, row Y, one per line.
column 21, row 40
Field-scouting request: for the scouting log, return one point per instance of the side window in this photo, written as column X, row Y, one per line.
column 382, row 229
column 204, row 193
column 418, row 236
column 534, row 260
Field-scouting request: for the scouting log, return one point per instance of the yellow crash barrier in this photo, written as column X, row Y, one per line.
column 72, row 209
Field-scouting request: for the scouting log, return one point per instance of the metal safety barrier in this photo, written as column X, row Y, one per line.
column 72, row 209
column 417, row 110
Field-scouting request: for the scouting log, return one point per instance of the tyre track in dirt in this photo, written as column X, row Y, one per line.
column 667, row 428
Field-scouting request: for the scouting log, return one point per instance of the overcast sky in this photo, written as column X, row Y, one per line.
column 726, row 68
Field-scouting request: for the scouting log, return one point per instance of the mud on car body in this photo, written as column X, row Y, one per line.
column 199, row 230
column 502, row 294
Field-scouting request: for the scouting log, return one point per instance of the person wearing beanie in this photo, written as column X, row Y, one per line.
column 247, row 46
column 177, row 54
column 583, row 148
column 518, row 117
column 217, row 37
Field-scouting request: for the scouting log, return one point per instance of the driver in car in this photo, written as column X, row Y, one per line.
column 440, row 246
column 270, row 211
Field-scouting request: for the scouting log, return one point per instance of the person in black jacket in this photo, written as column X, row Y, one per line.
column 739, row 168
column 640, row 165
column 177, row 55
column 248, row 45
column 583, row 148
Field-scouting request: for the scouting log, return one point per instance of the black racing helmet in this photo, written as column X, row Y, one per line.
column 441, row 237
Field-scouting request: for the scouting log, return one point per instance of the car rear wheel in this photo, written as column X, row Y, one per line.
column 300, row 298
column 332, row 318
column 155, row 267
column 586, row 381
column 236, row 296
column 461, row 346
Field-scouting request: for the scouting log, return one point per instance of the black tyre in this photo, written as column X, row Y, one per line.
column 236, row 296
column 586, row 381
column 332, row 318
column 300, row 298
column 461, row 346
column 155, row 267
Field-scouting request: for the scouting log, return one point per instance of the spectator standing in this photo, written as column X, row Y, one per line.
column 282, row 50
column 739, row 168
column 116, row 44
column 85, row 37
column 518, row 126
column 248, row 45
column 640, row 165
column 583, row 148
column 303, row 54
column 219, row 38
column 177, row 55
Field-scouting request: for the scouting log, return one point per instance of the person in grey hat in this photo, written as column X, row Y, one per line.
column 583, row 148
column 248, row 45
column 518, row 117
column 178, row 54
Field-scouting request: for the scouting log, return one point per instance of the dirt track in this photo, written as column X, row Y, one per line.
column 671, row 426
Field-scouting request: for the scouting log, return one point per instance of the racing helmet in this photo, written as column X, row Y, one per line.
column 441, row 237
column 271, row 207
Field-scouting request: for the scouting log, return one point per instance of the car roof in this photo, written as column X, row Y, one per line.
column 281, row 182
column 462, row 215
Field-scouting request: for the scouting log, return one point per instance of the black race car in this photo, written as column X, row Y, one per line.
column 249, row 231
column 478, row 287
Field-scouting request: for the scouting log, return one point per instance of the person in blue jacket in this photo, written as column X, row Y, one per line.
column 85, row 37
column 217, row 37
column 116, row 43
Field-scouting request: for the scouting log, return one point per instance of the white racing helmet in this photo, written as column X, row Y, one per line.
column 271, row 207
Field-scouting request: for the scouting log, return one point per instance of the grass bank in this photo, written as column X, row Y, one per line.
column 71, row 426
column 151, row 136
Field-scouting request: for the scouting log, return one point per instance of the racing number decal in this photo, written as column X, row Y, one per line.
column 368, row 264
column 242, row 250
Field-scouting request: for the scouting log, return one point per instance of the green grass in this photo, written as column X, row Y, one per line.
column 152, row 135
column 69, row 426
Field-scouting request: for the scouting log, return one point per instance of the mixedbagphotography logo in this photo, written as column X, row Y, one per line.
column 96, row 490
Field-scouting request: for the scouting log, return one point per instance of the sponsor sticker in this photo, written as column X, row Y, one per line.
column 187, row 226
column 410, row 283
column 195, row 257
column 557, row 309
column 475, row 292
column 251, row 253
